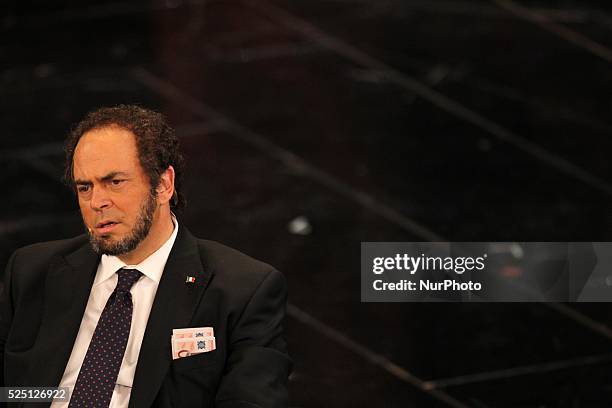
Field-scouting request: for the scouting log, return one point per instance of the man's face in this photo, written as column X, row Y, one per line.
column 115, row 197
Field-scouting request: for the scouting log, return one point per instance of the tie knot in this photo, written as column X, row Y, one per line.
column 127, row 278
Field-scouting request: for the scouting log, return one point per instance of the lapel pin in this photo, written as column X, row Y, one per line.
column 190, row 279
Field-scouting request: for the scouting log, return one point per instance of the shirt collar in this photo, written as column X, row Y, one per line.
column 152, row 267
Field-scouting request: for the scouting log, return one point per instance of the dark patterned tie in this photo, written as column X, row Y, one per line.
column 96, row 381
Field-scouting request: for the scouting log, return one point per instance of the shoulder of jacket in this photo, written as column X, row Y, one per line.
column 219, row 254
column 232, row 265
column 51, row 248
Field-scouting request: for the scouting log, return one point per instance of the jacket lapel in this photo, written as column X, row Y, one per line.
column 67, row 289
column 174, row 305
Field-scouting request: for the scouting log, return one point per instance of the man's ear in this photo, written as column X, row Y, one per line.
column 165, row 189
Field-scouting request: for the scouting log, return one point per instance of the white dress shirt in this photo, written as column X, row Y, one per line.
column 143, row 294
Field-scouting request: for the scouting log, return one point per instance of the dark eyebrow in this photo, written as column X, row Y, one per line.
column 108, row 177
column 82, row 182
column 112, row 175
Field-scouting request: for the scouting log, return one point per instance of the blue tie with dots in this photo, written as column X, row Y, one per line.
column 96, row 380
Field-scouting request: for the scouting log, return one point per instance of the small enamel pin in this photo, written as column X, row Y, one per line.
column 190, row 279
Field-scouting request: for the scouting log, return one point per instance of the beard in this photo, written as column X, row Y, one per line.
column 102, row 245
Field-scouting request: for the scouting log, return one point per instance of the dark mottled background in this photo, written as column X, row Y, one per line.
column 312, row 125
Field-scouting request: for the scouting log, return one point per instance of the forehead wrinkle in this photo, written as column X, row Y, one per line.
column 102, row 149
column 97, row 137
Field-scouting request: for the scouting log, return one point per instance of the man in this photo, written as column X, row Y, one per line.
column 96, row 313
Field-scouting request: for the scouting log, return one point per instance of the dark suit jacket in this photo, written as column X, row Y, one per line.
column 45, row 292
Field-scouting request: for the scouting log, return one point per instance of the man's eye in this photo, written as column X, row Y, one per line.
column 82, row 189
column 116, row 182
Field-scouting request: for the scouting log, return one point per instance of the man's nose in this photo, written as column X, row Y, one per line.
column 100, row 199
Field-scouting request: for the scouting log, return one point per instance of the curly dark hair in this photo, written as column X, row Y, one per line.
column 157, row 144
